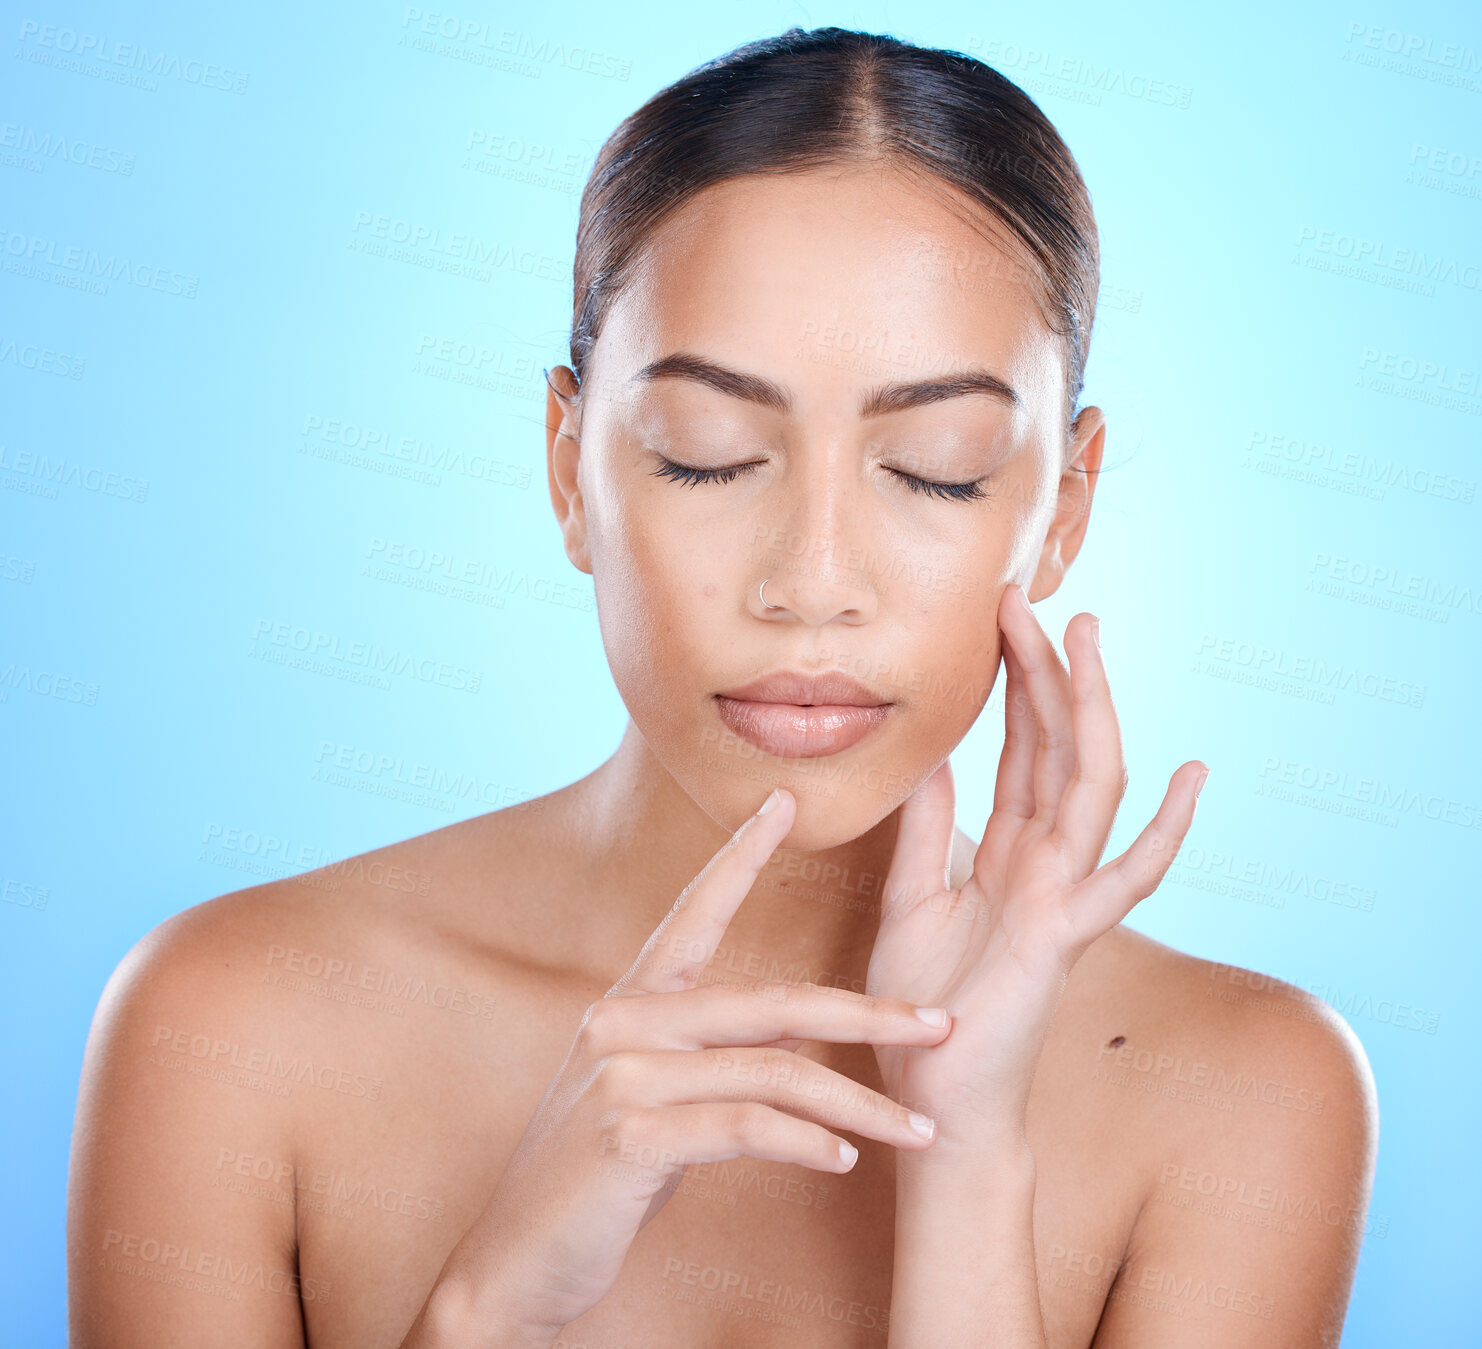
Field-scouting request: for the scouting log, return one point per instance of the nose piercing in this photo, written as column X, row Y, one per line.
column 761, row 595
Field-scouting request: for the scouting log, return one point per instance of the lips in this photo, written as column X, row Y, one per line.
column 801, row 716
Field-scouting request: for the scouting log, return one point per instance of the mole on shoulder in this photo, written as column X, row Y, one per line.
column 1115, row 1041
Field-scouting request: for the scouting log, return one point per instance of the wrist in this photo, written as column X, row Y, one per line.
column 964, row 1247
column 964, row 1134
column 995, row 1159
column 461, row 1313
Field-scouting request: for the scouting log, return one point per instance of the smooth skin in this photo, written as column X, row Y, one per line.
column 664, row 1075
column 466, row 1167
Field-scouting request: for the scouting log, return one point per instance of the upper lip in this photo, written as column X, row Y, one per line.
column 831, row 687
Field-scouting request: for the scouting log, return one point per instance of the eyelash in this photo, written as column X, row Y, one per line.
column 945, row 491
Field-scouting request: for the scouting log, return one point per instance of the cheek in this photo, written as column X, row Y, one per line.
column 950, row 665
column 662, row 607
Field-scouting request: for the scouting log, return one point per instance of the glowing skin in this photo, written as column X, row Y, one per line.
column 586, row 919
column 897, row 586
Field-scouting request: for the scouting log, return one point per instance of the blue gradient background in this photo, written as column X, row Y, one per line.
column 1233, row 334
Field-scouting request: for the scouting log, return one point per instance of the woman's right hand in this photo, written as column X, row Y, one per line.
column 663, row 1074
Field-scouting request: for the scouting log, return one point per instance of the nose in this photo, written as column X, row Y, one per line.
column 815, row 565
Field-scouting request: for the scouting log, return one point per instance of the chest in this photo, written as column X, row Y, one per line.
column 746, row 1252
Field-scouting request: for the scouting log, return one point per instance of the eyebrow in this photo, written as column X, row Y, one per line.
column 877, row 401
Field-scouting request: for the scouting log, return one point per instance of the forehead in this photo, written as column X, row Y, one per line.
column 833, row 281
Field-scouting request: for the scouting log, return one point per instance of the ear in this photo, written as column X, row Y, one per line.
column 563, row 456
column 1073, row 508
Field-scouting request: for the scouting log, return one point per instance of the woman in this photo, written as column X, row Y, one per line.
column 738, row 1040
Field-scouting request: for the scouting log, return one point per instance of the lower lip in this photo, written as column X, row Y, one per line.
column 794, row 732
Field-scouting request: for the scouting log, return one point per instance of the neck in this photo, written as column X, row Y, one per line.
column 810, row 916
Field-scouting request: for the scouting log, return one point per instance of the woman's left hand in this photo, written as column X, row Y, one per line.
column 997, row 952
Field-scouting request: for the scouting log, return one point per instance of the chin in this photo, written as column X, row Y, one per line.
column 839, row 796
column 824, row 823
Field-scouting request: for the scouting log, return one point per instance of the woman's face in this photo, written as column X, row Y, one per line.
column 849, row 339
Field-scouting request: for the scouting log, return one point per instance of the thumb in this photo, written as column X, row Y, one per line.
column 922, row 862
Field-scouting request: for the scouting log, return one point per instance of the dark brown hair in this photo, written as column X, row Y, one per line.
column 805, row 100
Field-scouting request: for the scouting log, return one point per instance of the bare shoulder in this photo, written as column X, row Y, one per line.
column 237, row 1035
column 1248, row 1106
column 457, row 895
column 1244, row 1037
column 422, row 912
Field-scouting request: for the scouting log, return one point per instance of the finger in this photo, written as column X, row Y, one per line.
column 653, row 1143
column 1013, row 792
column 921, row 863
column 1013, row 789
column 1110, row 893
column 1048, row 687
column 774, row 1077
column 682, row 945
column 722, row 1015
column 1089, row 806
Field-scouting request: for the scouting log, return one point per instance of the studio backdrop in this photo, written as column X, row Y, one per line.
column 280, row 580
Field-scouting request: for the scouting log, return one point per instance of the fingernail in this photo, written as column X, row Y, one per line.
column 1024, row 599
column 1199, row 786
column 768, row 803
column 1096, row 632
column 933, row 1016
column 848, row 1153
column 923, row 1126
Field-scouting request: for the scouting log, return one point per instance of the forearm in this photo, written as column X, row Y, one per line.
column 447, row 1322
column 964, row 1253
column 465, row 1312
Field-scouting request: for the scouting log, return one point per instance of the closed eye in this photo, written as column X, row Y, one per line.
column 950, row 491
column 690, row 477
